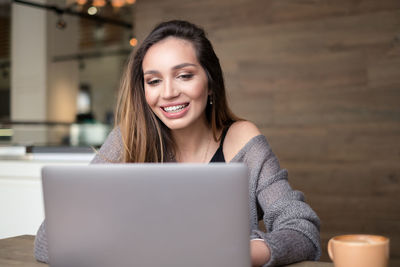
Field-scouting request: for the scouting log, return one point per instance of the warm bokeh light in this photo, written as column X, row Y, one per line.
column 81, row 2
column 117, row 3
column 133, row 41
column 130, row 2
column 99, row 3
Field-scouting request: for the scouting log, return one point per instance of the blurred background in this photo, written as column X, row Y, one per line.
column 321, row 78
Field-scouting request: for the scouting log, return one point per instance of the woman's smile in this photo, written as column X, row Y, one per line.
column 174, row 108
column 175, row 111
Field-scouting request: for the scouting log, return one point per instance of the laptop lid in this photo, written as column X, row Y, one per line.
column 147, row 215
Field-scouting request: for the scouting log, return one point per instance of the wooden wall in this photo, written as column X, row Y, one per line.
column 322, row 80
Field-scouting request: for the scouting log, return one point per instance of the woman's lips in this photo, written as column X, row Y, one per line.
column 175, row 111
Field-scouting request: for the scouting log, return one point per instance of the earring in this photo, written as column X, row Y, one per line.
column 211, row 99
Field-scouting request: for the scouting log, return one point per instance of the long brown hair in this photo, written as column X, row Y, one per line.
column 145, row 138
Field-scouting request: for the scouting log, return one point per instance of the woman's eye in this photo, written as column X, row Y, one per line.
column 153, row 82
column 185, row 76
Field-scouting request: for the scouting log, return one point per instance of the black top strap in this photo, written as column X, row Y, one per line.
column 219, row 155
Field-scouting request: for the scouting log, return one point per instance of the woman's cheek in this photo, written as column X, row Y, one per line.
column 196, row 90
column 151, row 98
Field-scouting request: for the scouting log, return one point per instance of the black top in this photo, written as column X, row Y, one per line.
column 219, row 155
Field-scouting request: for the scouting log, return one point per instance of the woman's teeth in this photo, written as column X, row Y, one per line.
column 175, row 108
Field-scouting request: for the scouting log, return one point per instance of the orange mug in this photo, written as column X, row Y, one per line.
column 359, row 251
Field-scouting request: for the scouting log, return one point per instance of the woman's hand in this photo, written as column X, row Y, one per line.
column 260, row 253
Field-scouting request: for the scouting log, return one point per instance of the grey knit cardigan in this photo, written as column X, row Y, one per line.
column 292, row 226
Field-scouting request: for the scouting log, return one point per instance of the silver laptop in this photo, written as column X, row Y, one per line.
column 144, row 215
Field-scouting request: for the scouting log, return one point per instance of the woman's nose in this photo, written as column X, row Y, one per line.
column 169, row 90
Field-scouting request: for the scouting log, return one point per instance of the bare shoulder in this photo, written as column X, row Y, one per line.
column 238, row 135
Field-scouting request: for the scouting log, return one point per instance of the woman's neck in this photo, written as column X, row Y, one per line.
column 193, row 144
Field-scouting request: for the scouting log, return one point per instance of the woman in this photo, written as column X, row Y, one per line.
column 172, row 107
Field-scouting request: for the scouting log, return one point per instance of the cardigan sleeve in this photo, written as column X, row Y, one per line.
column 292, row 226
column 110, row 152
column 40, row 245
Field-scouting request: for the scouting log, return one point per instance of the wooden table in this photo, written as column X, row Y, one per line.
column 18, row 251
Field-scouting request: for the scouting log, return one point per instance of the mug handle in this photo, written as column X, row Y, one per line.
column 330, row 249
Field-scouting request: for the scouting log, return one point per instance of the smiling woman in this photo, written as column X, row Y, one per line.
column 168, row 81
column 173, row 108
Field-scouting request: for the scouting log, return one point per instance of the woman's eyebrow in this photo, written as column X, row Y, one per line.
column 180, row 66
column 151, row 72
column 177, row 67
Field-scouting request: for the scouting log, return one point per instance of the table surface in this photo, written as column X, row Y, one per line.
column 18, row 251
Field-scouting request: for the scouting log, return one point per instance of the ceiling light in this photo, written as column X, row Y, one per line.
column 117, row 3
column 92, row 10
column 81, row 2
column 133, row 41
column 99, row 3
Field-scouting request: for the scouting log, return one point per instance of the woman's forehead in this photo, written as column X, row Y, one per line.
column 170, row 52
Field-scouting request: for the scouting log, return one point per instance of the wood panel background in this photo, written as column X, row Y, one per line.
column 322, row 80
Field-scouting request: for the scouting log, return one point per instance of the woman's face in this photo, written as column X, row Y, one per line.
column 176, row 85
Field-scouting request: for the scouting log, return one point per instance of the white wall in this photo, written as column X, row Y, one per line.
column 63, row 76
column 42, row 90
column 29, row 63
column 21, row 198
